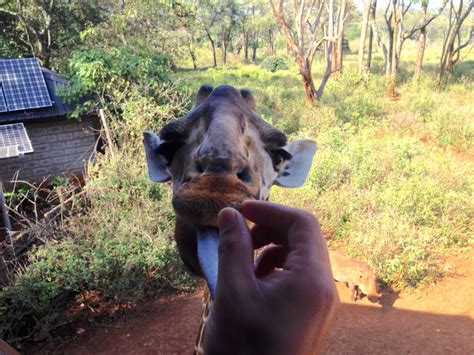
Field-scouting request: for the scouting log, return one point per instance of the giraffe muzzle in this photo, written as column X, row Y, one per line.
column 199, row 201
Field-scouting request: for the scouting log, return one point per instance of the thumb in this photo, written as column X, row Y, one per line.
column 235, row 269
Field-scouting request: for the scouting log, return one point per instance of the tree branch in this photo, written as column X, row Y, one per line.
column 8, row 12
column 425, row 23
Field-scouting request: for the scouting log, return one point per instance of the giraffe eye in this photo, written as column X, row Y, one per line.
column 278, row 156
column 168, row 150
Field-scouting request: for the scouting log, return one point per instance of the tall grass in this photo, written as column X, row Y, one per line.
column 392, row 181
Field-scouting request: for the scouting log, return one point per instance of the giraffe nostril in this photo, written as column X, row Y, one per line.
column 199, row 168
column 245, row 176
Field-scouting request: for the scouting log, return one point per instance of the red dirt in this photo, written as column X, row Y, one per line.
column 435, row 319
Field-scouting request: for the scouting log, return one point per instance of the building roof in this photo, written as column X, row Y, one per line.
column 52, row 81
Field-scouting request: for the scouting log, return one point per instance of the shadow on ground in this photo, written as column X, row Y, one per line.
column 169, row 326
column 376, row 330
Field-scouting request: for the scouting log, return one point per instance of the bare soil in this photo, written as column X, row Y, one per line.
column 435, row 319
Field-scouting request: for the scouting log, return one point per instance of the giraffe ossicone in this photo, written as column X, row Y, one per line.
column 221, row 153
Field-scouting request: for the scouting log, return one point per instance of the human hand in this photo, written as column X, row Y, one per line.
column 283, row 305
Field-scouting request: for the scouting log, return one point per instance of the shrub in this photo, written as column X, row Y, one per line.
column 104, row 77
column 120, row 246
column 274, row 63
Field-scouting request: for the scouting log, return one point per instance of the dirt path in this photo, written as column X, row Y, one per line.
column 437, row 319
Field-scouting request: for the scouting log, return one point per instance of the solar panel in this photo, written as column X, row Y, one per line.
column 15, row 134
column 23, row 84
column 9, row 152
column 3, row 104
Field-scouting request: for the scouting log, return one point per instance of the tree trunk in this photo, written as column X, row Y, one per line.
column 271, row 41
column 378, row 39
column 191, row 49
column 223, row 46
column 193, row 57
column 393, row 48
column 363, row 35
column 337, row 46
column 43, row 53
column 246, row 46
column 238, row 46
column 420, row 55
column 45, row 59
column 213, row 46
column 372, row 12
column 450, row 52
column 334, row 54
column 308, row 84
column 255, row 46
column 388, row 64
column 421, row 45
column 370, row 48
column 336, row 62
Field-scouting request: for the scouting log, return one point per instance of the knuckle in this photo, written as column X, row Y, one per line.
column 309, row 218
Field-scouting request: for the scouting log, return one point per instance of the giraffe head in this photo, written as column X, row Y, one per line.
column 221, row 153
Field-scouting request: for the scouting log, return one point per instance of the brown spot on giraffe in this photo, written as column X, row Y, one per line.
column 221, row 153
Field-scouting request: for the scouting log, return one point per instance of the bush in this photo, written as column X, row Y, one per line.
column 355, row 100
column 274, row 63
column 104, row 77
column 118, row 243
column 120, row 246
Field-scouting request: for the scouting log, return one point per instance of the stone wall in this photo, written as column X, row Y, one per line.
column 61, row 146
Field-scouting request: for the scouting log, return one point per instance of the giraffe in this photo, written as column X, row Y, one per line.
column 220, row 154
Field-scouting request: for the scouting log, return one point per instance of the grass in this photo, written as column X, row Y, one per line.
column 392, row 181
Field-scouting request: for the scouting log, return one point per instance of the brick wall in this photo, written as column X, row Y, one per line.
column 60, row 146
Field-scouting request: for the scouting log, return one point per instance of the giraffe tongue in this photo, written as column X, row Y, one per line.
column 207, row 245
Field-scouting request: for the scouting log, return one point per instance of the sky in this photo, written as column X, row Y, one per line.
column 433, row 4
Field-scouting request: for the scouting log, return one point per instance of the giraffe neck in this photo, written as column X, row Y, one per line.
column 206, row 310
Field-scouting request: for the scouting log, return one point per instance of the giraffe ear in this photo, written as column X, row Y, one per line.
column 156, row 162
column 293, row 172
column 249, row 99
column 203, row 92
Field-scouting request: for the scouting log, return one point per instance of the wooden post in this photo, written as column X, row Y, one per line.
column 3, row 206
column 9, row 238
column 108, row 134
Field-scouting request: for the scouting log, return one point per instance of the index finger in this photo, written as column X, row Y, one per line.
column 282, row 225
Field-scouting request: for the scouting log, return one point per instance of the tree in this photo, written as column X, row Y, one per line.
column 363, row 35
column 228, row 15
column 186, row 16
column 337, row 49
column 255, row 34
column 255, row 22
column 208, row 15
column 394, row 18
column 397, row 35
column 306, row 27
column 421, row 28
column 43, row 27
column 372, row 11
column 142, row 25
column 452, row 43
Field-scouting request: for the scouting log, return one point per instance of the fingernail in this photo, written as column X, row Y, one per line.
column 226, row 219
